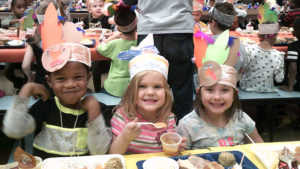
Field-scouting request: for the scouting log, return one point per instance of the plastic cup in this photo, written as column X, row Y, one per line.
column 170, row 143
column 22, row 35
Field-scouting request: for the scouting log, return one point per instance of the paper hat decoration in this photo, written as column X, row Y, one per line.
column 267, row 20
column 148, row 61
column 27, row 21
column 222, row 18
column 223, row 50
column 211, row 73
column 61, row 43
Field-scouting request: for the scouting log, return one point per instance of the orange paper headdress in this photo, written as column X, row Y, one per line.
column 61, row 43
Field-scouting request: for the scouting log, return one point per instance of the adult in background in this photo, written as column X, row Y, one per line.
column 171, row 22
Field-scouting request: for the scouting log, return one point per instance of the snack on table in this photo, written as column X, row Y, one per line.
column 226, row 159
column 86, row 41
column 114, row 163
column 160, row 163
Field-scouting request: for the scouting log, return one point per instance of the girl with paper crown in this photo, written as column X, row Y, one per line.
column 217, row 119
column 147, row 99
column 68, row 124
column 263, row 62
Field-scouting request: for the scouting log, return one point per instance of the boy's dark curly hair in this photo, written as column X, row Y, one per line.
column 124, row 18
column 226, row 8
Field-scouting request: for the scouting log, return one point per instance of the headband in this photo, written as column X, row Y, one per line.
column 222, row 18
column 211, row 73
column 129, row 27
column 148, row 61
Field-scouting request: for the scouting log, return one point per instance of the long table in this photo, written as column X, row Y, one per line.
column 277, row 97
column 16, row 55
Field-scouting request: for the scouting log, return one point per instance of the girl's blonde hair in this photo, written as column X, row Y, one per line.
column 129, row 100
column 235, row 107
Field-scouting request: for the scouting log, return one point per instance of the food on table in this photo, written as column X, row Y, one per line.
column 86, row 41
column 270, row 157
column 195, row 162
column 25, row 160
column 287, row 159
column 226, row 159
column 160, row 163
column 15, row 42
column 114, row 163
column 280, row 40
column 3, row 41
column 247, row 40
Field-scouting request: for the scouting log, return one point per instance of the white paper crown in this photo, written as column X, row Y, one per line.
column 266, row 29
column 148, row 61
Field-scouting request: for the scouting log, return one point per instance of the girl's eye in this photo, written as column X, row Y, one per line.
column 60, row 79
column 142, row 86
column 157, row 87
column 209, row 89
column 78, row 77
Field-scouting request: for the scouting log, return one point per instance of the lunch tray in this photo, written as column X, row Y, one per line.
column 247, row 164
column 7, row 46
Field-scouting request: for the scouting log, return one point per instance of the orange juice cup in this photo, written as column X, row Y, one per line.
column 171, row 143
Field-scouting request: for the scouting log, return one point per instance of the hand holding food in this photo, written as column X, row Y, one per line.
column 131, row 130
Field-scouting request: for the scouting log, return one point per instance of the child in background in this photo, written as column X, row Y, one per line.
column 118, row 76
column 293, row 69
column 294, row 13
column 263, row 62
column 217, row 119
column 68, row 124
column 147, row 99
column 97, row 19
column 34, row 50
column 18, row 7
column 221, row 18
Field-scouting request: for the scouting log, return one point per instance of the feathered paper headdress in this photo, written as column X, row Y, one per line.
column 267, row 19
column 216, row 59
column 61, row 43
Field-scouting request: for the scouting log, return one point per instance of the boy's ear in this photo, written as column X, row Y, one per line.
column 48, row 80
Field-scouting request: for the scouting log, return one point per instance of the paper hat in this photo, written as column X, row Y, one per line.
column 148, row 61
column 61, row 43
column 211, row 73
column 267, row 20
column 129, row 27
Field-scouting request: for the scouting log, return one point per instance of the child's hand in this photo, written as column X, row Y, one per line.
column 91, row 105
column 131, row 130
column 182, row 144
column 34, row 89
column 286, row 88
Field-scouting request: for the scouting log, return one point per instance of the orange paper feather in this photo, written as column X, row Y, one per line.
column 51, row 29
column 200, row 46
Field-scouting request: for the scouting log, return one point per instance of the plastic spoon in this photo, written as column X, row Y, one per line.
column 156, row 125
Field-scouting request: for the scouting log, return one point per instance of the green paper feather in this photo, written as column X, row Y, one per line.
column 265, row 14
column 218, row 51
column 28, row 21
column 271, row 16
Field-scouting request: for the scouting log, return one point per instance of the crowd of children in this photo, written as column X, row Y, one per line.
column 68, row 122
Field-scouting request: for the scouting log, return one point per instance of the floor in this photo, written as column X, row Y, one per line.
column 284, row 132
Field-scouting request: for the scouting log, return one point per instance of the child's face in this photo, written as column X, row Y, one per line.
column 151, row 94
column 19, row 8
column 217, row 98
column 96, row 9
column 69, row 84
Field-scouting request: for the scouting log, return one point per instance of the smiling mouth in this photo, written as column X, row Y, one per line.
column 150, row 101
column 217, row 104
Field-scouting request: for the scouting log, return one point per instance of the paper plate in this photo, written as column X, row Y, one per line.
column 80, row 162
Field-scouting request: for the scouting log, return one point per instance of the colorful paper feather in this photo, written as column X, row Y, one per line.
column 266, row 14
column 218, row 51
column 28, row 21
column 200, row 46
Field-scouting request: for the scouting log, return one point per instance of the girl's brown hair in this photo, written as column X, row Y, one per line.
column 129, row 100
column 235, row 107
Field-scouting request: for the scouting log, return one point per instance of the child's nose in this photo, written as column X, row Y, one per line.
column 217, row 95
column 150, row 91
column 70, row 83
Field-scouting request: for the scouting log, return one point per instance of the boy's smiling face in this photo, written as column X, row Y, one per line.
column 69, row 83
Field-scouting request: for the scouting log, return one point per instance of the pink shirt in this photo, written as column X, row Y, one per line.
column 148, row 141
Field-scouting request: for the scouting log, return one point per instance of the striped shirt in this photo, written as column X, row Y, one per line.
column 290, row 17
column 149, row 139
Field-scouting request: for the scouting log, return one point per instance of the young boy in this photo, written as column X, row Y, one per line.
column 118, row 76
column 68, row 124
